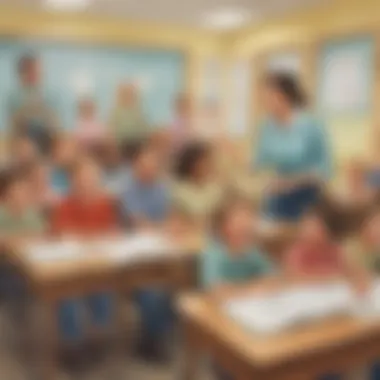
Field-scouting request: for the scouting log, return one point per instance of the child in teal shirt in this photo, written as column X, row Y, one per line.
column 231, row 256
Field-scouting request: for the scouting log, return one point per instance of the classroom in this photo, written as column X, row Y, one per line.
column 189, row 190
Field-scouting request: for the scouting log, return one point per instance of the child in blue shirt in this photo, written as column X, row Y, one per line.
column 145, row 205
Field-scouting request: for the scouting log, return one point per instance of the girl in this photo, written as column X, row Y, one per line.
column 89, row 132
column 196, row 191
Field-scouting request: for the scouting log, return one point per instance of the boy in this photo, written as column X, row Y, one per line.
column 85, row 212
column 146, row 199
column 146, row 205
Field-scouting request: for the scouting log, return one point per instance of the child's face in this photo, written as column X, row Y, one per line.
column 18, row 194
column 314, row 229
column 86, row 180
column 238, row 226
column 147, row 166
column 204, row 168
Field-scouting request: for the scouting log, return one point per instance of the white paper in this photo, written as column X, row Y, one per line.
column 136, row 248
column 298, row 305
column 54, row 251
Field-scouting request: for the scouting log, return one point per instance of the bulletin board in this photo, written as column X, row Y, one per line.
column 346, row 76
column 71, row 71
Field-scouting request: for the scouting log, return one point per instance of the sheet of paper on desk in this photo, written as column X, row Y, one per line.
column 136, row 248
column 278, row 311
column 54, row 251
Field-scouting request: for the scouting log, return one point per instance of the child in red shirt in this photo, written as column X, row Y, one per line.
column 86, row 211
column 317, row 255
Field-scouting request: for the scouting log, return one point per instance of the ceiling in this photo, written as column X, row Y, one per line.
column 184, row 12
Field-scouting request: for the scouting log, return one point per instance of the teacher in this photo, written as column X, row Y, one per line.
column 293, row 144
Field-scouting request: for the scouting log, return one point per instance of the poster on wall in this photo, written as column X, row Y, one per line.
column 346, row 77
column 70, row 73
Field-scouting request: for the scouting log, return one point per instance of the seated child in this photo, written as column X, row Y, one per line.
column 146, row 199
column 89, row 132
column 146, row 205
column 85, row 212
column 197, row 191
column 19, row 219
column 18, row 216
column 231, row 256
column 315, row 254
column 63, row 156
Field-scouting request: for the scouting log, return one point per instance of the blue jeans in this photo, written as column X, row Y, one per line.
column 156, row 313
column 292, row 205
column 70, row 318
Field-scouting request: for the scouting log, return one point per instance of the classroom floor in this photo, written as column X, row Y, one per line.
column 13, row 365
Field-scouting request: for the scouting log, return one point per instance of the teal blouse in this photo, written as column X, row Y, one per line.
column 218, row 266
column 298, row 148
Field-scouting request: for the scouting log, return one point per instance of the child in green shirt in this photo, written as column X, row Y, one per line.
column 18, row 217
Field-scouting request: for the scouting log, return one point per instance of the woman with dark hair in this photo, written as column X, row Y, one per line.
column 293, row 144
column 196, row 192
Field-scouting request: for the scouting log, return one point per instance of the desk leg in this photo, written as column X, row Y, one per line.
column 50, row 341
column 191, row 353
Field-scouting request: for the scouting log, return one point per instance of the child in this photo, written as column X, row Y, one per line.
column 89, row 132
column 197, row 192
column 231, row 257
column 315, row 254
column 18, row 217
column 85, row 212
column 146, row 205
column 146, row 199
column 19, row 220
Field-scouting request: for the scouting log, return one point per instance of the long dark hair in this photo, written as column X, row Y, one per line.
column 289, row 85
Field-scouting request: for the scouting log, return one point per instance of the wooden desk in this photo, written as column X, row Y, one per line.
column 54, row 281
column 337, row 345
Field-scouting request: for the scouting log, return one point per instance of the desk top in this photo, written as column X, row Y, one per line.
column 94, row 263
column 267, row 351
